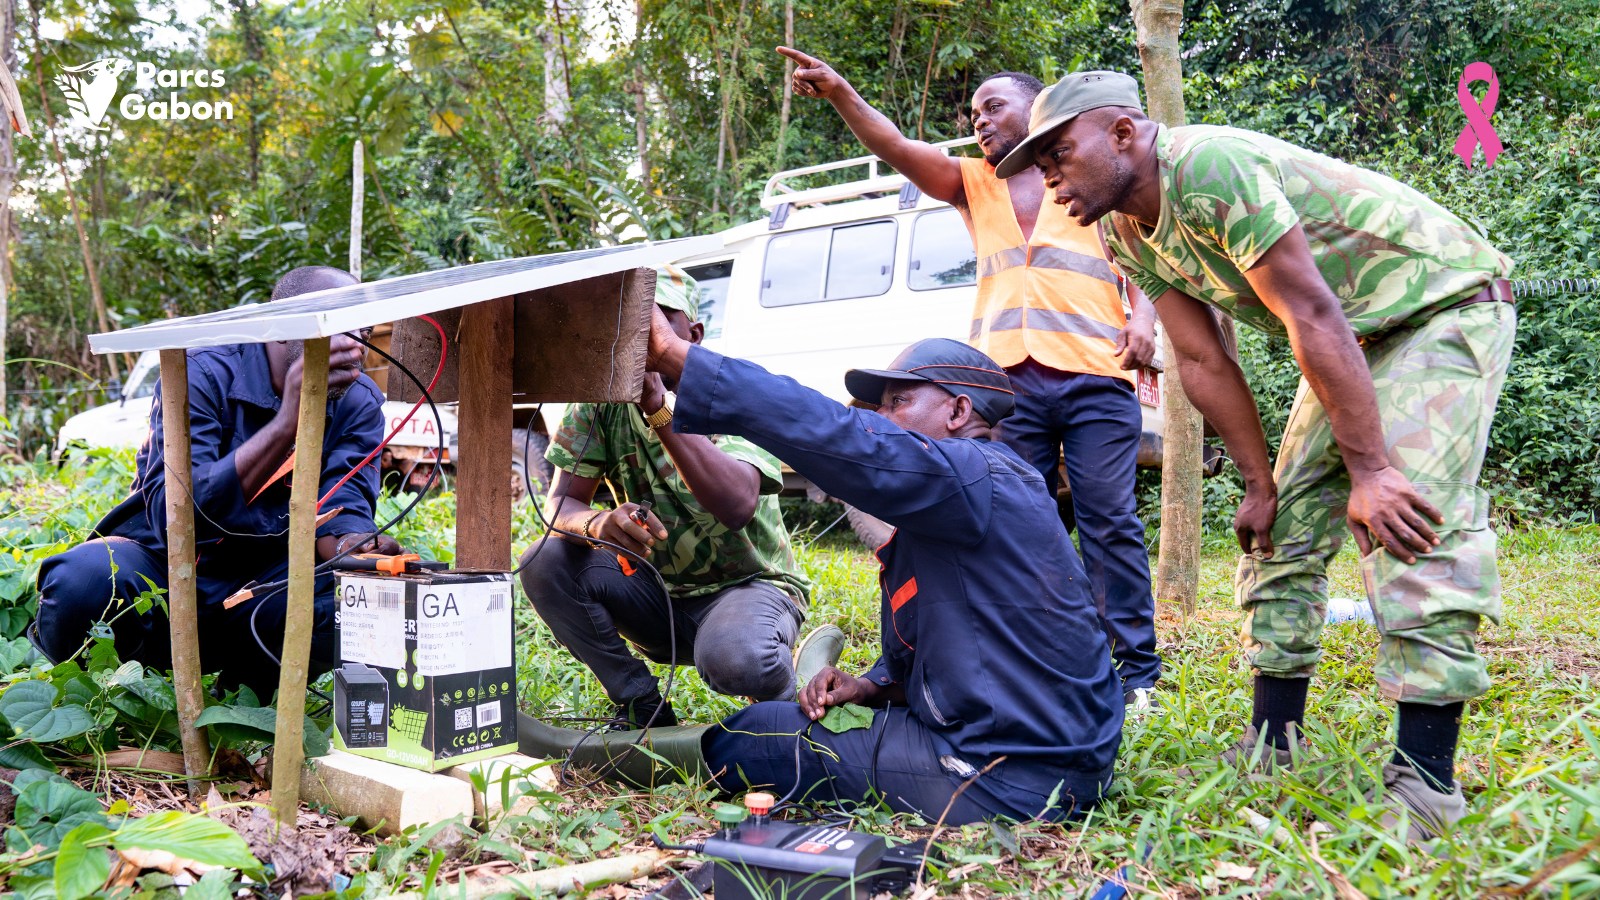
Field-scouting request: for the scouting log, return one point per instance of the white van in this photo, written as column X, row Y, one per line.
column 846, row 275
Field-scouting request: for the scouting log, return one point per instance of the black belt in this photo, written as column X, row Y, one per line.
column 1497, row 291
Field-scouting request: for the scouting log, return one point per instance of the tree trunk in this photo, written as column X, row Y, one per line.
column 788, row 81
column 730, row 74
column 1178, row 562
column 289, row 752
column 8, row 179
column 255, row 52
column 641, row 108
column 557, row 78
column 182, row 605
column 358, row 201
column 93, row 274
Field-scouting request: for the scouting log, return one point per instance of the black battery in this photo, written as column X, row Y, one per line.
column 360, row 705
column 763, row 859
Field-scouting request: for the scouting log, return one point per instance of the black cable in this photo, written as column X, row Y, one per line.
column 262, row 592
column 672, row 624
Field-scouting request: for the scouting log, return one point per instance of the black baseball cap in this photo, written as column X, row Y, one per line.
column 951, row 365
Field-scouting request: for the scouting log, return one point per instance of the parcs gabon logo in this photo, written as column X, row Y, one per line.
column 90, row 89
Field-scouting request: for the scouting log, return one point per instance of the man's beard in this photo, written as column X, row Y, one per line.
column 1109, row 194
column 997, row 155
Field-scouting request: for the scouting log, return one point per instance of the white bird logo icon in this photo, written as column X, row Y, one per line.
column 90, row 94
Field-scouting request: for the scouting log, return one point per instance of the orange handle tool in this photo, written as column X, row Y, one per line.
column 641, row 516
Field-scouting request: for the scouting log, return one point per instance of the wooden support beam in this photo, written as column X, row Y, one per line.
column 182, row 606
column 486, row 342
column 288, row 752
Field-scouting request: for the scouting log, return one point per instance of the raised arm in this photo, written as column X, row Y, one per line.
column 938, row 175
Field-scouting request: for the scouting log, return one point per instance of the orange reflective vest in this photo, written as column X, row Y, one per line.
column 1052, row 298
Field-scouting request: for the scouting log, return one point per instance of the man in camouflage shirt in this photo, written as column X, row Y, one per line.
column 1402, row 323
column 713, row 530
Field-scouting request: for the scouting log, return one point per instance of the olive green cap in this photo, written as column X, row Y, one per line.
column 1064, row 101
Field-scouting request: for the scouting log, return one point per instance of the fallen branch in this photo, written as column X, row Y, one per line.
column 560, row 881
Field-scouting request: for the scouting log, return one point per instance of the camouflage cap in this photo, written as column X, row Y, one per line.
column 1064, row 101
column 675, row 289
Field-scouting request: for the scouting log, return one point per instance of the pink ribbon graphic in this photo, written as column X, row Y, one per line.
column 1478, row 129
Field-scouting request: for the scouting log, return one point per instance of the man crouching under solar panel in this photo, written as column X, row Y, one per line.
column 244, row 408
column 994, row 670
column 704, row 512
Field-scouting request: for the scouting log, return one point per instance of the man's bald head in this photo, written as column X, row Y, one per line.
column 310, row 279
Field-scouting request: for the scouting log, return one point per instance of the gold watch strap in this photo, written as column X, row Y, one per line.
column 660, row 418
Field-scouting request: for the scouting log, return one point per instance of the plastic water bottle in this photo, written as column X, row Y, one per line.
column 1349, row 609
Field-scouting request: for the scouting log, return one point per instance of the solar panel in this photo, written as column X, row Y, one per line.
column 335, row 311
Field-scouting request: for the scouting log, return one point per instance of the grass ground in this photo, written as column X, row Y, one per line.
column 1529, row 762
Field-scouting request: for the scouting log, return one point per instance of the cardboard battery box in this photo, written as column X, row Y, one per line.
column 427, row 677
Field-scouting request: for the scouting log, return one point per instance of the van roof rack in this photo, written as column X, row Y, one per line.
column 779, row 192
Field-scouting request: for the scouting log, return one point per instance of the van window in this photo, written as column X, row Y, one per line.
column 713, row 279
column 941, row 252
column 862, row 261
column 837, row 263
column 794, row 268
column 145, row 386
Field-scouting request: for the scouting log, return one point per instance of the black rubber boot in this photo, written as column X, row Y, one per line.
column 617, row 755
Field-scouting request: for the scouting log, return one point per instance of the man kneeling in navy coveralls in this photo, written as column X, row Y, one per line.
column 994, row 665
column 244, row 406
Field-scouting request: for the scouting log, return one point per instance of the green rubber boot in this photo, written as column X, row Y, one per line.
column 673, row 753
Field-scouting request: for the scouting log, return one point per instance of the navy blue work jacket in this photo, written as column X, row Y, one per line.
column 230, row 399
column 987, row 618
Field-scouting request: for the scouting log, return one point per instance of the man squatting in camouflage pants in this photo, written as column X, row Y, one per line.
column 1402, row 324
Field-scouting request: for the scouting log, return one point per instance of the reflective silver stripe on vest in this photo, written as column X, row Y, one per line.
column 1045, row 320
column 1072, row 261
column 995, row 263
column 1046, row 258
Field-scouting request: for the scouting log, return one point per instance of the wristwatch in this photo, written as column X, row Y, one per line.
column 659, row 419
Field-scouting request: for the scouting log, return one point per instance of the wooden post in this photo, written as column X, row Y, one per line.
column 182, row 606
column 483, row 474
column 1178, row 563
column 288, row 753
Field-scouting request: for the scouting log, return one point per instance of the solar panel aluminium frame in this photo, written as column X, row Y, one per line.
column 338, row 310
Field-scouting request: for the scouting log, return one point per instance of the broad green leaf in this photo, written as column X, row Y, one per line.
column 48, row 810
column 27, row 698
column 189, row 836
column 244, row 724
column 13, row 654
column 216, row 884
column 81, row 870
column 55, row 724
column 81, row 691
column 25, row 756
column 154, row 690
column 240, row 723
column 25, row 778
column 103, row 655
column 847, row 717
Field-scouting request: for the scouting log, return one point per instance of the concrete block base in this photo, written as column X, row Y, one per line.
column 383, row 795
column 512, row 777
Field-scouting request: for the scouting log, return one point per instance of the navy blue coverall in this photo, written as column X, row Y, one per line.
column 987, row 622
column 238, row 540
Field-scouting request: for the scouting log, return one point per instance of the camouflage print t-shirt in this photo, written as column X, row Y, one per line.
column 1391, row 255
column 700, row 556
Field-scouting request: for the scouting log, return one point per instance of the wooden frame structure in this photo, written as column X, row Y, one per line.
column 567, row 327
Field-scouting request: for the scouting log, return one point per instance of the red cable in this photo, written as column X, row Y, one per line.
column 444, row 347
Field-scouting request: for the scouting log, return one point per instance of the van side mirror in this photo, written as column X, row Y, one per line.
column 114, row 391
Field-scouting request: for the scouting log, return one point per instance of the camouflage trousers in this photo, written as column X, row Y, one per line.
column 1437, row 387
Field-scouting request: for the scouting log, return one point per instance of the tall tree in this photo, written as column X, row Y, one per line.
column 8, row 179
column 1178, row 563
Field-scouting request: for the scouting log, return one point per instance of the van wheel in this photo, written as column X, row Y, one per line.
column 526, row 446
column 872, row 531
